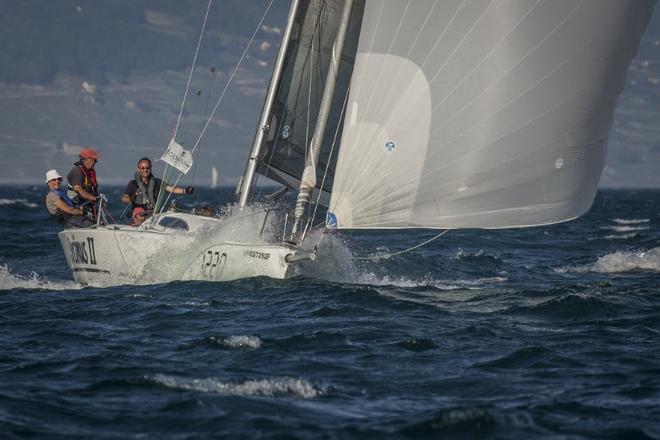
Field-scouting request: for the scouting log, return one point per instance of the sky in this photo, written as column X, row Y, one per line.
column 112, row 74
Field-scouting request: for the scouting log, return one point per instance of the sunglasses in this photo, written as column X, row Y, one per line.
column 145, row 168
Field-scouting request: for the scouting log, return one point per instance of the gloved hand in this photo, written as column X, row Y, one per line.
column 190, row 190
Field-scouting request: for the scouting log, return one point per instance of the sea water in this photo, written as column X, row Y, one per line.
column 548, row 332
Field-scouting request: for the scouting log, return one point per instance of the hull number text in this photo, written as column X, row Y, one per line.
column 82, row 252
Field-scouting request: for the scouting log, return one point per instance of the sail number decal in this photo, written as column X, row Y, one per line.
column 257, row 254
column 211, row 260
column 82, row 252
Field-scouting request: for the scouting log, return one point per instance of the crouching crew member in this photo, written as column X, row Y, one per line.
column 60, row 206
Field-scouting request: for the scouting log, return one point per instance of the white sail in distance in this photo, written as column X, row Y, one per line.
column 214, row 177
column 481, row 114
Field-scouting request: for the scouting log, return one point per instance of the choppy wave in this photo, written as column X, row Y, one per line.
column 237, row 341
column 632, row 221
column 618, row 262
column 282, row 386
column 22, row 202
column 9, row 280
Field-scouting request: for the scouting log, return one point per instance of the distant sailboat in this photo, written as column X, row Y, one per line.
column 214, row 177
column 410, row 114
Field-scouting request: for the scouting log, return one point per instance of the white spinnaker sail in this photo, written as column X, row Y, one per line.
column 481, row 114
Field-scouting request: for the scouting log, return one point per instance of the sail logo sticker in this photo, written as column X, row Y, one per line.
column 286, row 132
column 559, row 163
column 330, row 220
column 390, row 147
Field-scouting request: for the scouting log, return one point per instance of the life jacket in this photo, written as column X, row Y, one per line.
column 60, row 215
column 89, row 180
column 89, row 183
column 146, row 194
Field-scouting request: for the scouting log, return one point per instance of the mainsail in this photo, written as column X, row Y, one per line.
column 479, row 114
column 300, row 91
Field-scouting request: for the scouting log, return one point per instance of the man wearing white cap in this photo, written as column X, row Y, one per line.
column 61, row 206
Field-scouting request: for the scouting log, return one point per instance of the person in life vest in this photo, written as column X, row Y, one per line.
column 60, row 206
column 82, row 177
column 143, row 191
column 138, row 216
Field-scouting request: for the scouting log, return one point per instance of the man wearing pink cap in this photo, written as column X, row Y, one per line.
column 82, row 177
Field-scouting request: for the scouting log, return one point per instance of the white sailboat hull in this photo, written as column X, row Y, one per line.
column 120, row 254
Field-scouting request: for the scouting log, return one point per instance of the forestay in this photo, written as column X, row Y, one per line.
column 481, row 114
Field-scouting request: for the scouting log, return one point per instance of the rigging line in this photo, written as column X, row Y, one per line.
column 309, row 60
column 308, row 55
column 309, row 88
column 276, row 141
column 192, row 69
column 316, row 39
column 332, row 148
column 169, row 194
column 161, row 192
column 231, row 77
column 378, row 257
column 206, row 110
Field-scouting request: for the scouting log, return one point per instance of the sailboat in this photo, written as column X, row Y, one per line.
column 404, row 114
column 214, row 177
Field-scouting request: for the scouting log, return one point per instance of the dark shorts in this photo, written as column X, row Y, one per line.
column 76, row 221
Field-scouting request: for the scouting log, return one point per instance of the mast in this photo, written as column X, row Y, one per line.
column 308, row 180
column 245, row 184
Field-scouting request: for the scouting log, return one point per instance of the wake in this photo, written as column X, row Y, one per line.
column 34, row 281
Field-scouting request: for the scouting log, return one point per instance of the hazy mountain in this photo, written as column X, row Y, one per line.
column 112, row 74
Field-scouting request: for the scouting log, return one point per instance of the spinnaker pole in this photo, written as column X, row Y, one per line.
column 308, row 180
column 245, row 185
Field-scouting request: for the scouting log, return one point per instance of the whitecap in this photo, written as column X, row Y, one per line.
column 618, row 262
column 8, row 281
column 372, row 279
column 632, row 221
column 461, row 254
column 625, row 228
column 23, row 202
column 237, row 341
column 621, row 236
column 287, row 386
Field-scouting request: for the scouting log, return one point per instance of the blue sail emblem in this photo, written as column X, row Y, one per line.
column 390, row 147
column 286, row 132
column 330, row 220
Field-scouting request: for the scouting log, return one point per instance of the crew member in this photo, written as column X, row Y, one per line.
column 144, row 189
column 138, row 216
column 82, row 177
column 60, row 206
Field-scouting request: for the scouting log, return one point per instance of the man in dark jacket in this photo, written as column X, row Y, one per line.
column 143, row 191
